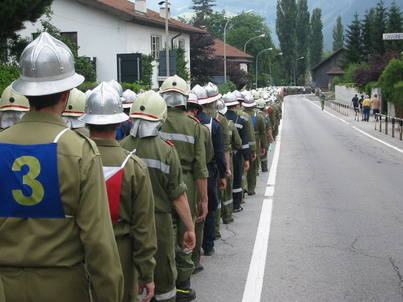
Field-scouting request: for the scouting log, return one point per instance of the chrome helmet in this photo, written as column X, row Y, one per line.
column 128, row 96
column 222, row 108
column 103, row 107
column 238, row 96
column 115, row 85
column 47, row 67
column 230, row 99
column 213, row 94
column 249, row 101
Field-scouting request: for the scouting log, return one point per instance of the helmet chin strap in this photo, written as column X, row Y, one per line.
column 142, row 128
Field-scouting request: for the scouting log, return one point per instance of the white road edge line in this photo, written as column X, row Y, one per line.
column 254, row 281
column 359, row 130
column 378, row 140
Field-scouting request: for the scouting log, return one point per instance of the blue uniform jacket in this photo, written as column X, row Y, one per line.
column 240, row 124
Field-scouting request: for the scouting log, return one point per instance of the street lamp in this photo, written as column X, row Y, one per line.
column 259, row 36
column 271, row 80
column 225, row 45
column 166, row 34
column 295, row 70
column 257, row 60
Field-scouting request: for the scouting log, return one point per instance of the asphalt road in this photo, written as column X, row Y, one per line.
column 337, row 222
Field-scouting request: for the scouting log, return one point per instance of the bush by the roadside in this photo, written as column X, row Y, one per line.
column 8, row 74
column 227, row 87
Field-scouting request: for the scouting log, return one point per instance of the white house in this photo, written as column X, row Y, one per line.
column 109, row 30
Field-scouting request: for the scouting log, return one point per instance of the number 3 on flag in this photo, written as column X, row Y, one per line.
column 29, row 179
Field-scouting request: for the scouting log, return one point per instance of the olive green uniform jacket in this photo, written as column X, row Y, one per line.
column 43, row 259
column 135, row 230
column 167, row 181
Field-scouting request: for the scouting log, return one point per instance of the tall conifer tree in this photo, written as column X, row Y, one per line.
column 353, row 43
column 285, row 28
column 316, row 36
column 202, row 8
column 395, row 25
column 302, row 36
column 338, row 35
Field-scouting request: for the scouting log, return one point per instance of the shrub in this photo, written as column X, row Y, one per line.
column 87, row 86
column 227, row 87
column 8, row 74
column 136, row 87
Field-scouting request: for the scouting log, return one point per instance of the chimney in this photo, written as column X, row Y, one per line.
column 162, row 12
column 140, row 6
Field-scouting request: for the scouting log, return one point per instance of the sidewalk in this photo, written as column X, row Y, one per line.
column 348, row 115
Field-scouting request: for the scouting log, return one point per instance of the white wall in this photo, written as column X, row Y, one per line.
column 345, row 94
column 102, row 35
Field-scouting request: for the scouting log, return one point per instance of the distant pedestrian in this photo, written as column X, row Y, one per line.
column 376, row 105
column 360, row 102
column 366, row 108
column 356, row 104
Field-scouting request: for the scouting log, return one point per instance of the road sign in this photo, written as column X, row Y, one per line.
column 393, row 36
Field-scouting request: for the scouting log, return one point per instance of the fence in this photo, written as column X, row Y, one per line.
column 389, row 124
column 339, row 107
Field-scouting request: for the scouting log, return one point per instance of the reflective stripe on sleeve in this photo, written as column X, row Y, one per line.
column 178, row 137
column 227, row 202
column 219, row 206
column 239, row 126
column 169, row 295
column 252, row 143
column 237, row 190
column 156, row 164
column 245, row 146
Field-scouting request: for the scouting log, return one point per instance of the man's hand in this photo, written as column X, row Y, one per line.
column 149, row 289
column 228, row 173
column 202, row 211
column 253, row 156
column 263, row 152
column 189, row 240
column 246, row 166
column 222, row 184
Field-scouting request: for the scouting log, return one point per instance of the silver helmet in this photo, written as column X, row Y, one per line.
column 201, row 94
column 115, row 85
column 249, row 101
column 222, row 108
column 213, row 94
column 128, row 96
column 238, row 95
column 104, row 107
column 47, row 67
column 230, row 99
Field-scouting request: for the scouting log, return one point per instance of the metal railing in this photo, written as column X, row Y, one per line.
column 339, row 107
column 386, row 121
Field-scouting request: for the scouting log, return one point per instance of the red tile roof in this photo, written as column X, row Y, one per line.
column 231, row 51
column 125, row 10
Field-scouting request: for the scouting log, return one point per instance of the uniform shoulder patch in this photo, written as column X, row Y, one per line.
column 90, row 141
column 194, row 118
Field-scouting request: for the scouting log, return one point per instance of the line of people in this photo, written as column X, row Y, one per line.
column 108, row 194
column 365, row 104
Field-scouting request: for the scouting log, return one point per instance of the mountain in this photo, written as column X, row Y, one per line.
column 330, row 10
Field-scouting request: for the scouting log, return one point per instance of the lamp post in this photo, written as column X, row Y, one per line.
column 257, row 60
column 271, row 80
column 225, row 45
column 259, row 36
column 166, row 34
column 295, row 70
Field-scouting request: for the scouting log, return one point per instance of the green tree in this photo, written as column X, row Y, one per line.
column 302, row 36
column 389, row 82
column 202, row 63
column 395, row 25
column 286, row 32
column 316, row 45
column 353, row 44
column 202, row 8
column 367, row 32
column 215, row 23
column 13, row 14
column 379, row 28
column 338, row 34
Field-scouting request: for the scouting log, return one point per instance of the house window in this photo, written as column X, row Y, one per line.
column 181, row 43
column 155, row 46
column 72, row 36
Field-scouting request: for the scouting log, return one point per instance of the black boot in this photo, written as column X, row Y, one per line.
column 183, row 291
